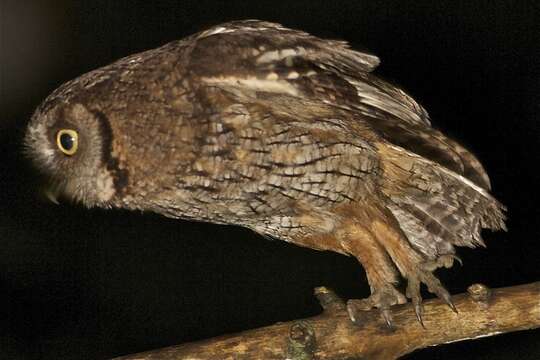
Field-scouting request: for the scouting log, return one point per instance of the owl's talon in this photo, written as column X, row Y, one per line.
column 446, row 261
column 419, row 311
column 381, row 299
column 434, row 286
column 413, row 292
column 387, row 316
column 448, row 300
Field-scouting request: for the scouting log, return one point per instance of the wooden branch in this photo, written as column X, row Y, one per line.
column 331, row 335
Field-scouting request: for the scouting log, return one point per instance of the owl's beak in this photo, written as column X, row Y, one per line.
column 51, row 192
column 51, row 195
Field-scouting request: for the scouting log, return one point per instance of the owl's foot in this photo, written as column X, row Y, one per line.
column 446, row 261
column 381, row 299
column 423, row 273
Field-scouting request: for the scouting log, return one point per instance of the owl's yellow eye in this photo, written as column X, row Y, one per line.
column 67, row 141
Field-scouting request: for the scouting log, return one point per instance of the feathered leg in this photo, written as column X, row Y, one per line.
column 381, row 273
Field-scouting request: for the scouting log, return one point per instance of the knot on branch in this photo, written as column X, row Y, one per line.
column 328, row 299
column 302, row 343
column 479, row 293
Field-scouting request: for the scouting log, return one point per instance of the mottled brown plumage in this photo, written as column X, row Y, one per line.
column 253, row 124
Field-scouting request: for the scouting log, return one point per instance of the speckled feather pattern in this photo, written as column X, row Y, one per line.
column 253, row 124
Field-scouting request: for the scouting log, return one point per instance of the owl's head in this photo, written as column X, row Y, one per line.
column 70, row 144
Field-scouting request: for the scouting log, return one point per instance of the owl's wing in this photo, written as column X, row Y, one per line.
column 267, row 57
column 264, row 61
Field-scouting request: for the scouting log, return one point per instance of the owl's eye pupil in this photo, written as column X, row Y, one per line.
column 67, row 141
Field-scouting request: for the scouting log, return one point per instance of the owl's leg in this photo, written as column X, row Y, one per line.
column 380, row 272
column 412, row 265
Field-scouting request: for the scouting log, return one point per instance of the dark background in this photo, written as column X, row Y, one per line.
column 93, row 284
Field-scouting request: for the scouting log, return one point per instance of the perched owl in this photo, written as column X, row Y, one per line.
column 253, row 124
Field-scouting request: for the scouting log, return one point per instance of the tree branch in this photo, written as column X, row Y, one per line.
column 331, row 335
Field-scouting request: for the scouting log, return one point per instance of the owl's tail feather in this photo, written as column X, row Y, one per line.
column 435, row 207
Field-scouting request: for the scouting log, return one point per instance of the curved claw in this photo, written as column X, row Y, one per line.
column 413, row 292
column 458, row 259
column 387, row 316
column 438, row 289
column 448, row 300
column 419, row 311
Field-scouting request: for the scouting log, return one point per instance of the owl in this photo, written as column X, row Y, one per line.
column 253, row 124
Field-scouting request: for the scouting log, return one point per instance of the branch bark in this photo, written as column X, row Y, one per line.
column 331, row 335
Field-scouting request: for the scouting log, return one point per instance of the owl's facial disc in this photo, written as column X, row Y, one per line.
column 67, row 143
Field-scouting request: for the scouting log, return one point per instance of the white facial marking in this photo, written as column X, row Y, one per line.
column 42, row 148
column 105, row 186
